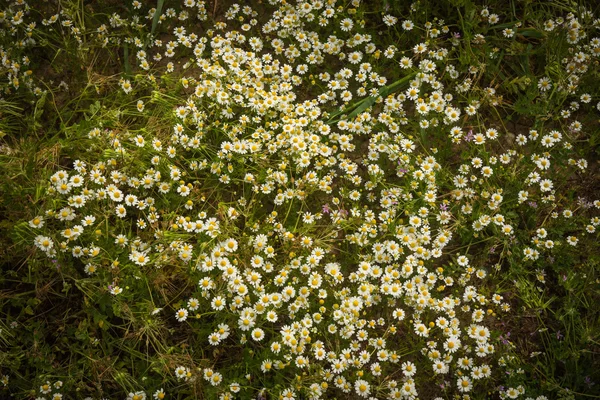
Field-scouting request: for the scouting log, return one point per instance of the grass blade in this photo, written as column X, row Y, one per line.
column 363, row 104
column 157, row 13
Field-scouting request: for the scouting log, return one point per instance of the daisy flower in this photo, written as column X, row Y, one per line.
column 137, row 396
column 37, row 222
column 159, row 394
column 126, row 85
column 544, row 84
column 258, row 334
column 464, row 384
column 181, row 315
column 181, row 372
column 389, row 20
column 46, row 388
column 362, row 388
column 409, row 369
column 43, row 243
column 115, row 290
column 346, row 24
column 193, row 304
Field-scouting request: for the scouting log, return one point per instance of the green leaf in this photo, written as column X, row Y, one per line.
column 363, row 104
column 39, row 106
column 369, row 101
column 159, row 6
column 532, row 33
column 94, row 108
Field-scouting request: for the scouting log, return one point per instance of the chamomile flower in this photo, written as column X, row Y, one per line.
column 136, row 396
column 544, row 84
column 464, row 384
column 218, row 303
column 181, row 315
column 46, row 388
column 160, row 394
column 266, row 366
column 362, row 388
column 115, row 290
column 546, row 185
column 44, row 243
column 407, row 25
column 389, row 20
column 346, row 24
column 181, row 372
column 214, row 338
column 193, row 304
column 126, row 85
column 37, row 222
column 409, row 369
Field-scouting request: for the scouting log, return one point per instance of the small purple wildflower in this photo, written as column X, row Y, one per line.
column 469, row 136
column 504, row 339
column 588, row 381
column 583, row 202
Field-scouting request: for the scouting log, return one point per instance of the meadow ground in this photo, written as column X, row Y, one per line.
column 304, row 199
